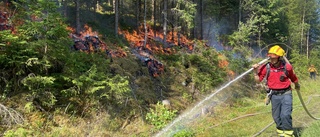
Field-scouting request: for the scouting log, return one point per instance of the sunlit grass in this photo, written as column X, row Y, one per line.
column 249, row 116
column 312, row 130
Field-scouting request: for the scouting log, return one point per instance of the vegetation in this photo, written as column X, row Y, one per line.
column 160, row 116
column 49, row 90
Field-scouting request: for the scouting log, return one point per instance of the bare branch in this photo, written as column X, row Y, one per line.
column 9, row 116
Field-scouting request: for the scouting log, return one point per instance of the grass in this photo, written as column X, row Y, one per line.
column 248, row 116
column 312, row 130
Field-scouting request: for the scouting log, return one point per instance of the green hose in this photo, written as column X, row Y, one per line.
column 304, row 106
column 300, row 97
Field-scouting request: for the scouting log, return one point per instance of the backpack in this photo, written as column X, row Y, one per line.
column 268, row 70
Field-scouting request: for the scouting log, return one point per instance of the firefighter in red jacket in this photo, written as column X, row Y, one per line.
column 278, row 84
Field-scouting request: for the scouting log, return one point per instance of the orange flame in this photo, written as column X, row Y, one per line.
column 94, row 39
column 137, row 40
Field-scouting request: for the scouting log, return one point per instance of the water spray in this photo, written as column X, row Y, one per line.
column 207, row 98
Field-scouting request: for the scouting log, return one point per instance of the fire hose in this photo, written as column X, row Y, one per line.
column 300, row 97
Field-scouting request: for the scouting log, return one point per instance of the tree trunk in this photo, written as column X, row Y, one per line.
column 194, row 29
column 60, row 8
column 198, row 20
column 88, row 5
column 138, row 14
column 201, row 19
column 165, row 4
column 120, row 6
column 78, row 25
column 173, row 21
column 178, row 32
column 154, row 17
column 110, row 3
column 65, row 8
column 145, row 23
column 116, row 17
column 95, row 6
column 178, row 26
column 114, row 4
column 153, row 10
column 308, row 33
column 302, row 26
column 160, row 14
column 240, row 4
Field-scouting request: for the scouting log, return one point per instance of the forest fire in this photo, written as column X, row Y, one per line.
column 155, row 45
column 136, row 40
column 88, row 41
column 4, row 22
column 223, row 63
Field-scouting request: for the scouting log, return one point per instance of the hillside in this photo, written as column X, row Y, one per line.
column 59, row 79
column 89, row 80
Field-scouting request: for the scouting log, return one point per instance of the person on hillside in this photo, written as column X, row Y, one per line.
column 279, row 76
column 313, row 71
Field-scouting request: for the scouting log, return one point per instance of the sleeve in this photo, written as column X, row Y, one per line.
column 292, row 75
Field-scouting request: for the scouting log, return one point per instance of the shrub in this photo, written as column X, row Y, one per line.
column 160, row 116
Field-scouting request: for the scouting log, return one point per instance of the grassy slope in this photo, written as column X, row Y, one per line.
column 219, row 125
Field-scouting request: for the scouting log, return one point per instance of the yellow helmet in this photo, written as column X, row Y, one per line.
column 276, row 51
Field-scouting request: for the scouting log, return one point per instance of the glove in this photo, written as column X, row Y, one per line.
column 255, row 66
column 267, row 100
column 297, row 86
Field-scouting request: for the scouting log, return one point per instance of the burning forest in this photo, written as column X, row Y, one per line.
column 154, row 44
column 89, row 41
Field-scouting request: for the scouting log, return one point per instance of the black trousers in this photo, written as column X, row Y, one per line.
column 282, row 110
column 313, row 75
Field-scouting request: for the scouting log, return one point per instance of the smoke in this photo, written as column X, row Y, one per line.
column 214, row 32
